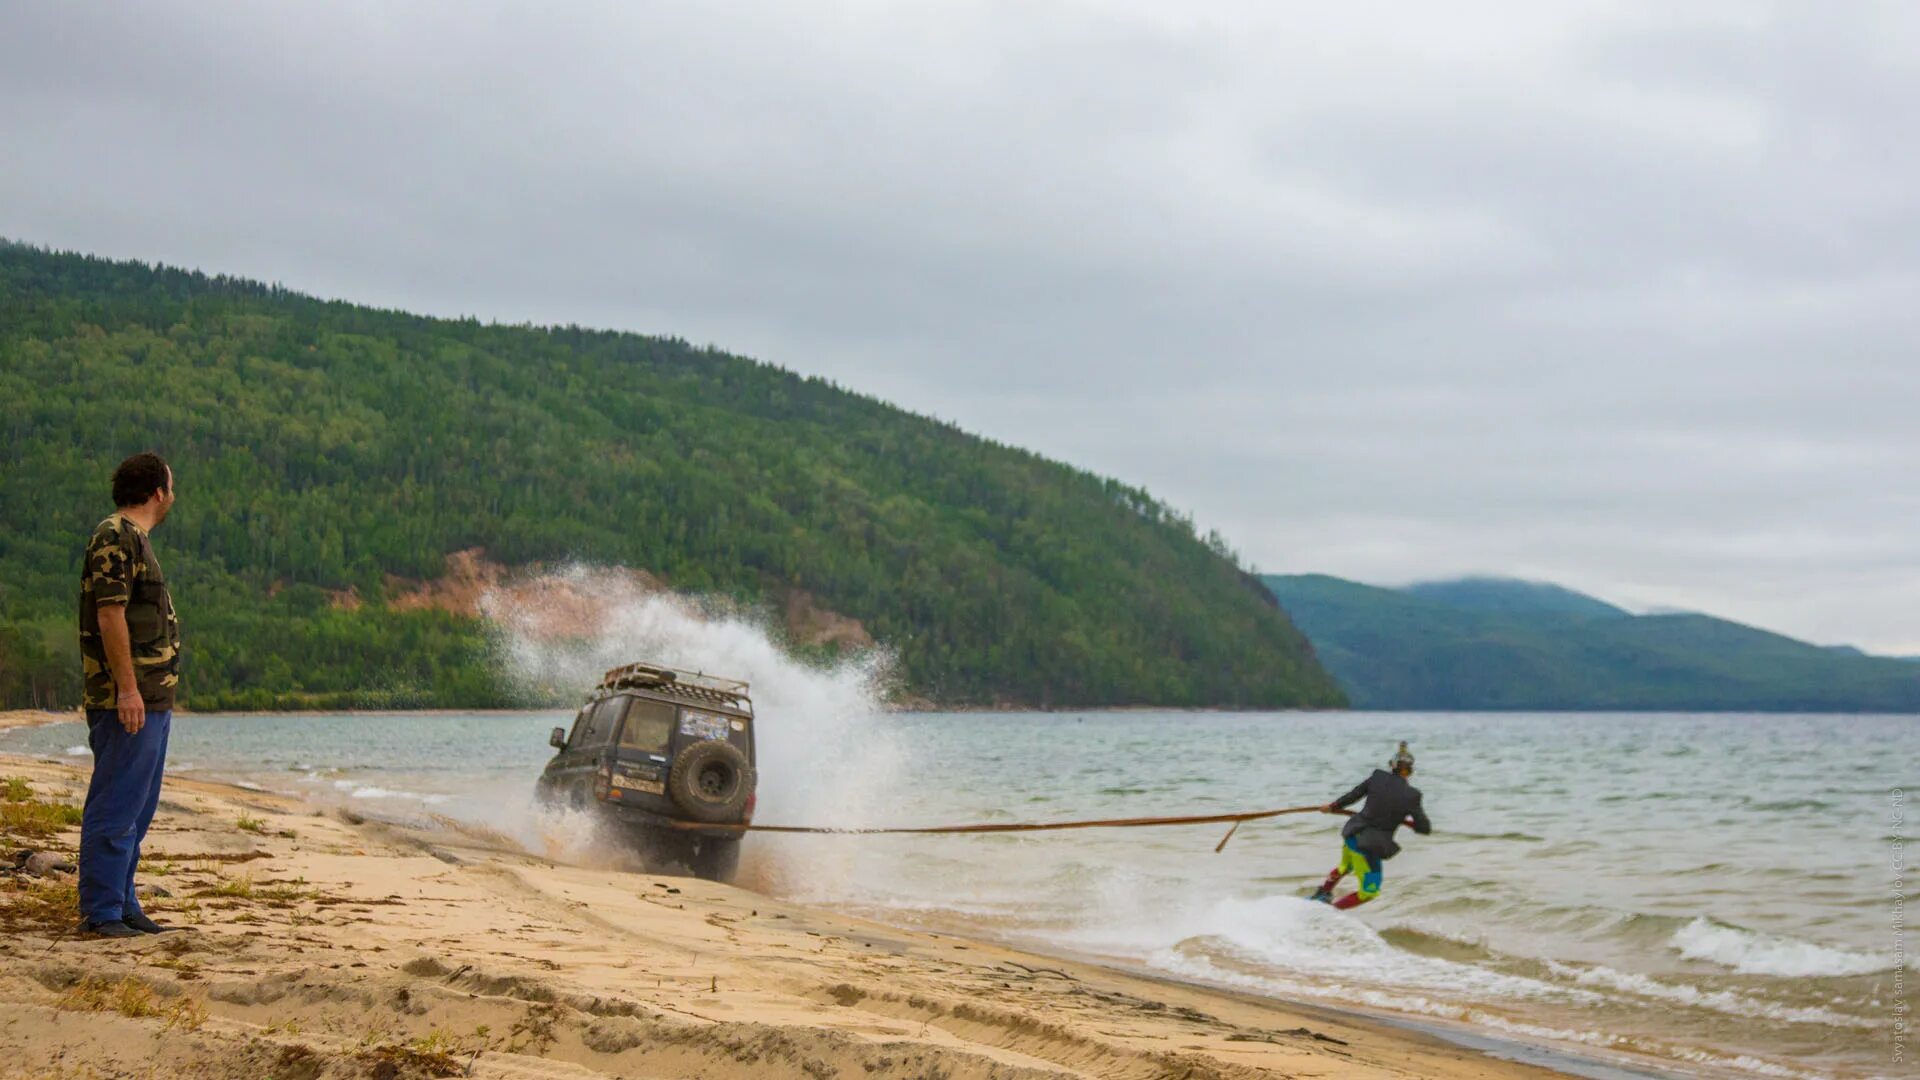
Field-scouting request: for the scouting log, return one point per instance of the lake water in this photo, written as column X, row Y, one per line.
column 1712, row 894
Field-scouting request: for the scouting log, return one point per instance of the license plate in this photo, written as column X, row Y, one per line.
column 651, row 787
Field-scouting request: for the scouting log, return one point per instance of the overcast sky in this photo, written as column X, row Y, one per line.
column 1624, row 297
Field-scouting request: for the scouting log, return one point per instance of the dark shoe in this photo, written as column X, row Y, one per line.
column 114, row 929
column 140, row 922
column 1322, row 896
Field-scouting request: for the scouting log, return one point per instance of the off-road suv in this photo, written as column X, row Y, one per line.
column 657, row 754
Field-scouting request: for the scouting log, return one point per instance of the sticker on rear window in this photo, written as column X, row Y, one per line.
column 702, row 725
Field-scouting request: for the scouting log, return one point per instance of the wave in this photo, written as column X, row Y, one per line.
column 1781, row 805
column 1730, row 1002
column 356, row 790
column 1748, row 953
column 1298, row 936
column 1495, row 905
column 371, row 792
column 1438, row 943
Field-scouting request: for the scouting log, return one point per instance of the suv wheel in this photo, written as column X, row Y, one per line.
column 710, row 781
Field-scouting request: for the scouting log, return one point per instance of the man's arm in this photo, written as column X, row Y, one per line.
column 1420, row 823
column 119, row 649
column 1359, row 792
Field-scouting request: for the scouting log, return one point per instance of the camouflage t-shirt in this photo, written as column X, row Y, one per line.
column 120, row 568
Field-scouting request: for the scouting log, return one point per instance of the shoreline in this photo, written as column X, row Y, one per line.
column 11, row 719
column 420, row 912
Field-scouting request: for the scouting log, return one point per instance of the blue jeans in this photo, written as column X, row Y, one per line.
column 121, row 800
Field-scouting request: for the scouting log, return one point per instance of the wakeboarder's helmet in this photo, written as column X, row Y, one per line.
column 1401, row 759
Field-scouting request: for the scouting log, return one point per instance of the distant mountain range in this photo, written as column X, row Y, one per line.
column 1497, row 643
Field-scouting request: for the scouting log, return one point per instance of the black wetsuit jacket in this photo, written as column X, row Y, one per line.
column 1390, row 801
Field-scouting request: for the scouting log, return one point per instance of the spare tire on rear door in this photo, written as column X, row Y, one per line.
column 710, row 781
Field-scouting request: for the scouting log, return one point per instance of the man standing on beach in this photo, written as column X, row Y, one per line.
column 130, row 657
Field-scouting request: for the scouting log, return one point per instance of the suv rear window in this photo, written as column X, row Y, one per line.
column 649, row 726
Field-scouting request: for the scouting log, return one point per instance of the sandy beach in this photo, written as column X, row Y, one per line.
column 324, row 945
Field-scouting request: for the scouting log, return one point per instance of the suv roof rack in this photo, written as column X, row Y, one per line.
column 693, row 684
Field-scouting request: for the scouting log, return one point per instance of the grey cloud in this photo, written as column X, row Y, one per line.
column 1621, row 297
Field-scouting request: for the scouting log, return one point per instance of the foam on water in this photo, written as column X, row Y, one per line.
column 1288, row 934
column 1483, row 1015
column 1288, row 946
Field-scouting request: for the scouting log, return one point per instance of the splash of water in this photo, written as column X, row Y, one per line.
column 826, row 755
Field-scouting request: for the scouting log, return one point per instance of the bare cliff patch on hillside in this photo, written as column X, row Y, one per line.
column 560, row 606
column 811, row 625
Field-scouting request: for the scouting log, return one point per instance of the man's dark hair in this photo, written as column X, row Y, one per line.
column 138, row 477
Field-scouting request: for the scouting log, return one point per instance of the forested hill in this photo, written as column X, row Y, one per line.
column 321, row 447
column 1494, row 644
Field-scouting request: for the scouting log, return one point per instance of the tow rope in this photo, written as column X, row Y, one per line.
column 1022, row 826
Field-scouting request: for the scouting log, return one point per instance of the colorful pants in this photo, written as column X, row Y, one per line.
column 1355, row 861
column 121, row 799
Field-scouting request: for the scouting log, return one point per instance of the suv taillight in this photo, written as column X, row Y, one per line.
column 746, row 813
column 603, row 782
